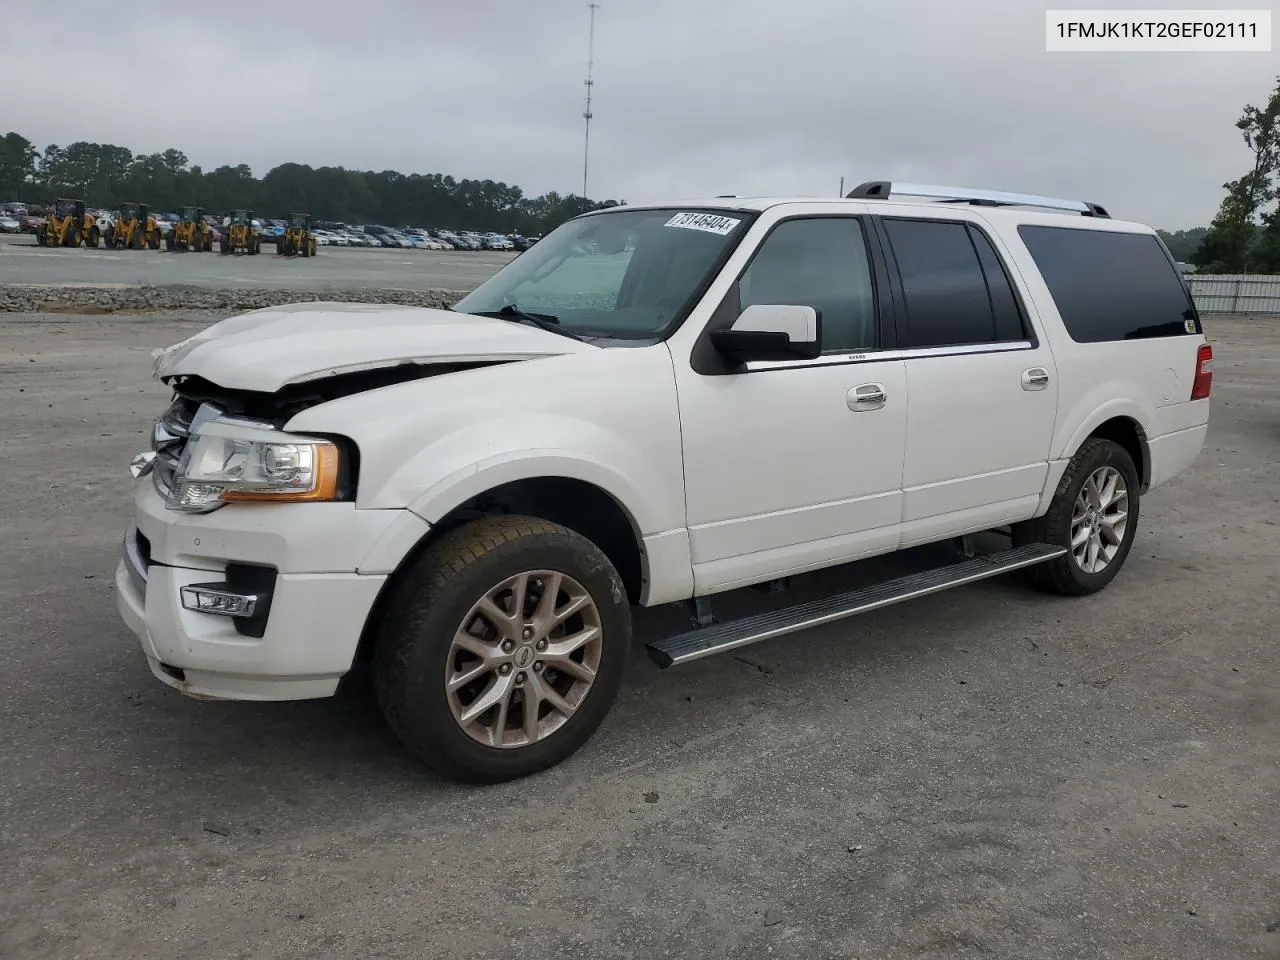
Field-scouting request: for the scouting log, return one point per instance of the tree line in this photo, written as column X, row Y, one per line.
column 106, row 175
column 1244, row 236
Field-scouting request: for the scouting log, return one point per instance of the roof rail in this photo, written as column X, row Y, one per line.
column 884, row 189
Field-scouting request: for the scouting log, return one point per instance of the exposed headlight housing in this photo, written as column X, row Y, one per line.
column 238, row 461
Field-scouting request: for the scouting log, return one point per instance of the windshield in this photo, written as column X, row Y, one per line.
column 625, row 274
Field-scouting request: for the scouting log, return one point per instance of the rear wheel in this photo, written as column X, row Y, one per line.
column 1094, row 514
column 92, row 237
column 501, row 649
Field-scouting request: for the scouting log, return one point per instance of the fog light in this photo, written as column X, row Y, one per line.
column 216, row 598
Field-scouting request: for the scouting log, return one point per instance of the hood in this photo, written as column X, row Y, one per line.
column 264, row 350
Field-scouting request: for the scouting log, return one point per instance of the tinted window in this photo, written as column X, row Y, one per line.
column 1111, row 286
column 943, row 283
column 1004, row 305
column 820, row 263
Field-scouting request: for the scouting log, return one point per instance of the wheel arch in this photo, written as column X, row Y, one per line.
column 1122, row 421
column 1129, row 434
column 584, row 507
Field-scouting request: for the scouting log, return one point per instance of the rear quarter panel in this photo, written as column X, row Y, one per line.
column 1148, row 380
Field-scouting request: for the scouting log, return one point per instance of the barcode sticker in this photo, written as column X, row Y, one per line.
column 709, row 222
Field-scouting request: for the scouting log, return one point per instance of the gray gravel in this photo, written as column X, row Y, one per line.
column 147, row 299
column 984, row 773
column 22, row 263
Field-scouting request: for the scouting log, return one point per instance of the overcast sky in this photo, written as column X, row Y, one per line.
column 692, row 97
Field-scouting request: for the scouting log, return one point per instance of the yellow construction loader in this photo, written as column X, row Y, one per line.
column 297, row 239
column 190, row 232
column 239, row 235
column 134, row 228
column 69, row 226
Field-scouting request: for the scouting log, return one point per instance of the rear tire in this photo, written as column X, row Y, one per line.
column 92, row 237
column 1093, row 559
column 437, row 600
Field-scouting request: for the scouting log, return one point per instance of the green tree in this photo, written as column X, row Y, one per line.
column 106, row 175
column 18, row 165
column 1232, row 236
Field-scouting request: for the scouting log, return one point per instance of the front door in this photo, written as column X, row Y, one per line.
column 795, row 465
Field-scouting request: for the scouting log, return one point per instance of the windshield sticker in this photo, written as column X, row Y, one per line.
column 709, row 222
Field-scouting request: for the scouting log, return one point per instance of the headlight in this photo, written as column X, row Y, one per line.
column 228, row 461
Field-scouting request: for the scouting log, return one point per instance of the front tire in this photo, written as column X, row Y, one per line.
column 1094, row 514
column 501, row 649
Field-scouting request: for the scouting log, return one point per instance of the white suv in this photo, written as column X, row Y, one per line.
column 653, row 404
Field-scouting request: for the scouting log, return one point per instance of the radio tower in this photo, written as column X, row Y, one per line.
column 586, row 140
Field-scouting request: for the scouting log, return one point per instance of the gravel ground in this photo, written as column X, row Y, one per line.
column 987, row 772
column 24, row 264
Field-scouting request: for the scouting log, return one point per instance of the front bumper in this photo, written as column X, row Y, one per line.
column 314, row 617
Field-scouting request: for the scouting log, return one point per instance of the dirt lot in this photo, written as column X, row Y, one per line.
column 987, row 772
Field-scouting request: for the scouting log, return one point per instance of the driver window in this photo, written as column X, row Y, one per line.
column 819, row 262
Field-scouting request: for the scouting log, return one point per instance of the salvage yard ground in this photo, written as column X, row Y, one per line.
column 988, row 771
column 22, row 262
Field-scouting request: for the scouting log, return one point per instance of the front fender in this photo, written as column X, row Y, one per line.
column 607, row 417
column 467, row 463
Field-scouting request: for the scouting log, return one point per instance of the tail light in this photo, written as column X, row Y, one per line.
column 1203, row 382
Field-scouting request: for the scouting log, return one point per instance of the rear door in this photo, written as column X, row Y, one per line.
column 982, row 390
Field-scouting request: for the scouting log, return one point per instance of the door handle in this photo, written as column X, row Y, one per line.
column 1036, row 378
column 866, row 396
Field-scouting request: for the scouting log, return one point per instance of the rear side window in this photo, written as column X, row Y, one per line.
column 956, row 289
column 1111, row 286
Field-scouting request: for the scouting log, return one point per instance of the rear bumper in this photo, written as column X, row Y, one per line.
column 1173, row 453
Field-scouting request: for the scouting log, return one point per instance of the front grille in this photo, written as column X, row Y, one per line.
column 169, row 439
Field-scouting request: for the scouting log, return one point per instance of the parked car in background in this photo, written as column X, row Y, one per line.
column 9, row 223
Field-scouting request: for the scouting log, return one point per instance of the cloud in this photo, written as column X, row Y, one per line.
column 692, row 97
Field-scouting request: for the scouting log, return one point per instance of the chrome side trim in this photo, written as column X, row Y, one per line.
column 961, row 350
column 878, row 356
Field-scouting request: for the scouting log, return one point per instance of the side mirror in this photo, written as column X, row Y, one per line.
column 766, row 331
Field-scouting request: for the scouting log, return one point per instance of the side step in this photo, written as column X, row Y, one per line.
column 706, row 641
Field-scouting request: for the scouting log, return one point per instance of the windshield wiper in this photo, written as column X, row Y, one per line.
column 544, row 321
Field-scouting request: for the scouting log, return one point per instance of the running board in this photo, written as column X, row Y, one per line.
column 730, row 635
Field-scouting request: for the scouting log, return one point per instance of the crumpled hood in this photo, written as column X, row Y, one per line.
column 267, row 349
